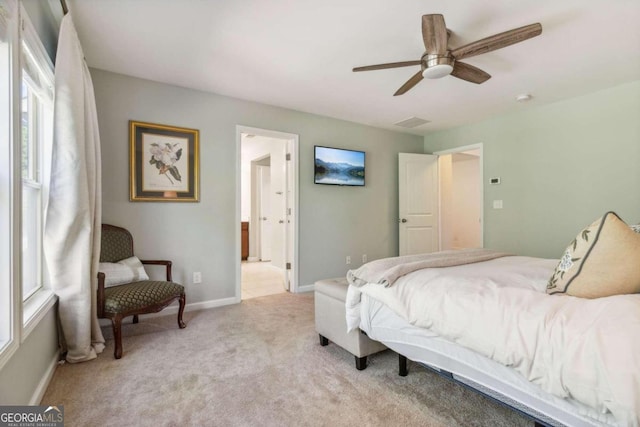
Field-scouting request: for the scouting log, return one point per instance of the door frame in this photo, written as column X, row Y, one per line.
column 293, row 217
column 478, row 146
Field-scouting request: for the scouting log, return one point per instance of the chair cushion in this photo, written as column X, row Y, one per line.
column 139, row 295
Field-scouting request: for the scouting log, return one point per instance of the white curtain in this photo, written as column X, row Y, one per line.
column 74, row 213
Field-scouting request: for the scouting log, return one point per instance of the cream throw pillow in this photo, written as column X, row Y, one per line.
column 125, row 271
column 603, row 260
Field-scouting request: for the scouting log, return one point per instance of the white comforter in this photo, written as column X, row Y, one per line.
column 587, row 349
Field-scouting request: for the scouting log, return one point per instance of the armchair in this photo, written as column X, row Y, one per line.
column 134, row 298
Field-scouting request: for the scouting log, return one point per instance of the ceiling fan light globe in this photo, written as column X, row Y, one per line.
column 437, row 71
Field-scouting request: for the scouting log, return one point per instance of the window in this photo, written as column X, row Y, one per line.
column 26, row 136
column 35, row 127
column 6, row 206
column 36, row 118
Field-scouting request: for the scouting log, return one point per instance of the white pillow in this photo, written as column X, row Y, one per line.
column 125, row 271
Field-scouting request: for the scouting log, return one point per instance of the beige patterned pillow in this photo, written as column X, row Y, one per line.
column 603, row 260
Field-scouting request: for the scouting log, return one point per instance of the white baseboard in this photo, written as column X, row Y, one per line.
column 306, row 288
column 253, row 259
column 38, row 393
column 173, row 308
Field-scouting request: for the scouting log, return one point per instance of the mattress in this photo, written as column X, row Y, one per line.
column 473, row 369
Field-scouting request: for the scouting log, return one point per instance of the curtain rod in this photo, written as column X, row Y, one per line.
column 65, row 9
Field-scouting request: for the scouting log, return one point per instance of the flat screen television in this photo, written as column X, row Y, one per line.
column 336, row 166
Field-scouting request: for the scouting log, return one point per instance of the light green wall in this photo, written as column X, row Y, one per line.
column 562, row 166
column 23, row 373
column 334, row 221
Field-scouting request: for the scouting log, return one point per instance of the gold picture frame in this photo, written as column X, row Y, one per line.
column 164, row 163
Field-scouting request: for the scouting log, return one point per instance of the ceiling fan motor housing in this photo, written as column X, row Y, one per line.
column 435, row 66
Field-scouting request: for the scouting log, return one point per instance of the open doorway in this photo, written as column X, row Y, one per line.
column 461, row 197
column 267, row 213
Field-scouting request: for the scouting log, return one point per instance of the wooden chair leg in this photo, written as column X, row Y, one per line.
column 182, row 302
column 323, row 340
column 135, row 318
column 117, row 336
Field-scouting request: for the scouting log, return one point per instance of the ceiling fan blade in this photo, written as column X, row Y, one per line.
column 434, row 34
column 469, row 73
column 497, row 41
column 389, row 65
column 414, row 80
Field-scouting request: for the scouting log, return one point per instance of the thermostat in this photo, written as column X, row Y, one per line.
column 495, row 181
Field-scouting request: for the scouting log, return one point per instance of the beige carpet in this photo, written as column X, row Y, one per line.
column 258, row 363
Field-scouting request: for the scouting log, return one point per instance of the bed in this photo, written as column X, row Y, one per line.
column 488, row 322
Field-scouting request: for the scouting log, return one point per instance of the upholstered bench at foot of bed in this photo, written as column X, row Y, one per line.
column 331, row 324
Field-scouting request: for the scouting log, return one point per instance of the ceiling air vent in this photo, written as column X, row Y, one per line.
column 411, row 122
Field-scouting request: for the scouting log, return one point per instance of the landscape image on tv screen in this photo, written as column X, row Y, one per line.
column 339, row 167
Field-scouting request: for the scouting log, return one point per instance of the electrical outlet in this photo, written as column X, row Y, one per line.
column 197, row 277
column 348, row 260
column 364, row 258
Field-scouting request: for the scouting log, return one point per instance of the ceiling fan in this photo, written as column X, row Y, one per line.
column 440, row 61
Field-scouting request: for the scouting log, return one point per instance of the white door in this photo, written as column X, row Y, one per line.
column 290, row 235
column 264, row 215
column 279, row 206
column 418, row 203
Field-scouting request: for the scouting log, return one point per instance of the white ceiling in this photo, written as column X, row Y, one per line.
column 299, row 54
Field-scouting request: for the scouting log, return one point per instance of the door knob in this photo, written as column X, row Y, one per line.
column 281, row 221
column 264, row 218
column 403, row 220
